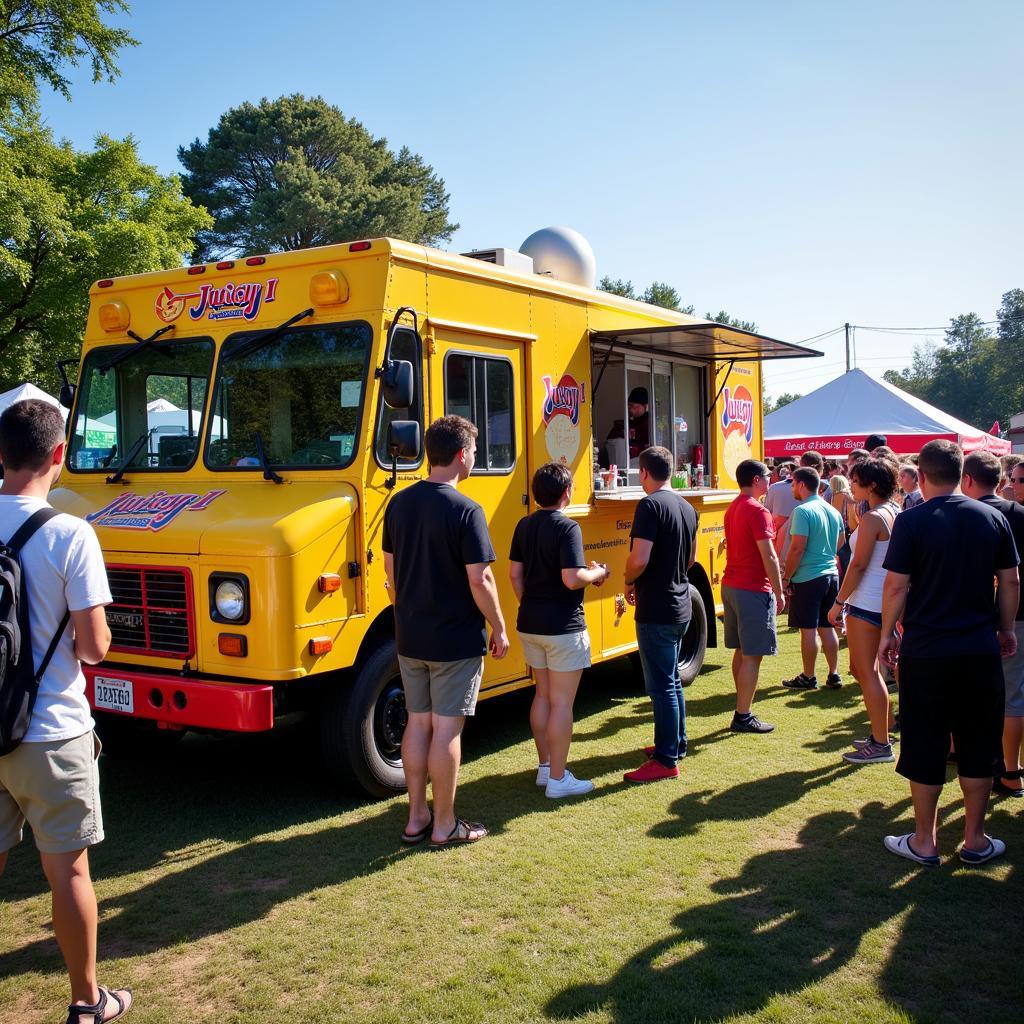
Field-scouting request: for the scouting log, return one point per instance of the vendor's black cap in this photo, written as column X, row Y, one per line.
column 638, row 396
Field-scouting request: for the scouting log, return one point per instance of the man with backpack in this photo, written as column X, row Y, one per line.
column 53, row 588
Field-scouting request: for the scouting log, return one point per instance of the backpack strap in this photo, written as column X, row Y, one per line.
column 29, row 527
column 52, row 649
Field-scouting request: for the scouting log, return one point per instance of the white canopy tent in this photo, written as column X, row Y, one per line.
column 840, row 415
column 24, row 391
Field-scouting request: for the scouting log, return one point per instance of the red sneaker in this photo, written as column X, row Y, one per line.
column 652, row 771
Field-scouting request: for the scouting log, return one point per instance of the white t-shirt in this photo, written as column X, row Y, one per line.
column 63, row 566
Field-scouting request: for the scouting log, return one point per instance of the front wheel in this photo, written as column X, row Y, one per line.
column 361, row 728
column 695, row 643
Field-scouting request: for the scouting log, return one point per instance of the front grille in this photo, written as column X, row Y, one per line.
column 152, row 610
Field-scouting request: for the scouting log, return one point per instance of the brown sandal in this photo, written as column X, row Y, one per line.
column 462, row 833
column 998, row 787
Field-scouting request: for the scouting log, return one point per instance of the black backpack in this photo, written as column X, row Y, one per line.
column 19, row 680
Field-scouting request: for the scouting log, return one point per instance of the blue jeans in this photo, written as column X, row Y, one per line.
column 659, row 654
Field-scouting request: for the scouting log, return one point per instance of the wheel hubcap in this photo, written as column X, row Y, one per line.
column 389, row 720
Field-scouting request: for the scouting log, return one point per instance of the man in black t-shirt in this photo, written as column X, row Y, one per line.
column 941, row 561
column 663, row 545
column 982, row 473
column 437, row 556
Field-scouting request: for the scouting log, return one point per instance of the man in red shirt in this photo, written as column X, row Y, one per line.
column 751, row 589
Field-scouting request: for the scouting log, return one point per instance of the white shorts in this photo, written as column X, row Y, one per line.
column 564, row 652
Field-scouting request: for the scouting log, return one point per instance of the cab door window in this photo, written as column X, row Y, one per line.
column 404, row 345
column 480, row 388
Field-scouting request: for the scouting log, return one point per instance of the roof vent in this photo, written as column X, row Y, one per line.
column 507, row 258
column 563, row 254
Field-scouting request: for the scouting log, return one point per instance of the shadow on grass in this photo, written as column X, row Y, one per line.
column 791, row 918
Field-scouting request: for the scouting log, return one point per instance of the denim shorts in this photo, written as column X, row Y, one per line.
column 853, row 612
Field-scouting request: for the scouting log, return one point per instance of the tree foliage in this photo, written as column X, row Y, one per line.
column 770, row 404
column 722, row 317
column 295, row 172
column 66, row 219
column 39, row 39
column 657, row 293
column 976, row 374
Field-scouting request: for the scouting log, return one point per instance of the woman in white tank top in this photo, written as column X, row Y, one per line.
column 875, row 481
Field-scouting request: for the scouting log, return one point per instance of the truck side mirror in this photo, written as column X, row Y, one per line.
column 397, row 382
column 67, row 395
column 403, row 443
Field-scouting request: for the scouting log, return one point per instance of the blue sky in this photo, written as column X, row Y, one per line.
column 798, row 164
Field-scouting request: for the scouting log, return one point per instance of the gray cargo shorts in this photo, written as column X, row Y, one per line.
column 749, row 621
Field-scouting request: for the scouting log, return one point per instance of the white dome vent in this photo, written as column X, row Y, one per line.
column 563, row 254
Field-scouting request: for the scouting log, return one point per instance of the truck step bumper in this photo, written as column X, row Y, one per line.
column 178, row 702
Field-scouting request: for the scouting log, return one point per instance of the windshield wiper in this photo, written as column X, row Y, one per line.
column 257, row 341
column 115, row 477
column 268, row 473
column 140, row 343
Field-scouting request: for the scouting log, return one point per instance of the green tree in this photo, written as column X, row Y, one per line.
column 917, row 379
column 657, row 293
column 1010, row 356
column 295, row 172
column 66, row 219
column 616, row 286
column 39, row 39
column 722, row 317
column 784, row 399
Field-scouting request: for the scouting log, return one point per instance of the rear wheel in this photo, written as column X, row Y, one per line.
column 694, row 645
column 361, row 728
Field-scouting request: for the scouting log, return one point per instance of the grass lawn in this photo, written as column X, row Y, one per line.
column 234, row 885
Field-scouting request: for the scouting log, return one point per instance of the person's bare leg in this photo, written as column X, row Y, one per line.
column 745, row 676
column 926, row 806
column 1013, row 736
column 540, row 711
column 415, row 751
column 808, row 650
column 562, row 694
column 830, row 645
column 74, row 919
column 862, row 640
column 976, row 793
column 443, row 766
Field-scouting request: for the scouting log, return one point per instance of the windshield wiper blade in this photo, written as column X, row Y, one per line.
column 140, row 343
column 261, row 451
column 115, row 477
column 257, row 341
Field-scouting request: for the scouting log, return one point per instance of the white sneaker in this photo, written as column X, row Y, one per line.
column 543, row 774
column 567, row 785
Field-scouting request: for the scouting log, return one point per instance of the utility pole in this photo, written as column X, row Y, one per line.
column 847, row 348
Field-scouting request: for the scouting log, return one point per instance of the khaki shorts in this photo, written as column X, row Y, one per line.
column 565, row 652
column 446, row 688
column 56, row 788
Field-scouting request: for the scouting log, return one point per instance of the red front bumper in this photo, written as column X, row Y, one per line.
column 181, row 702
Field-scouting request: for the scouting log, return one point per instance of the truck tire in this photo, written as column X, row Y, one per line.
column 136, row 739
column 691, row 653
column 361, row 728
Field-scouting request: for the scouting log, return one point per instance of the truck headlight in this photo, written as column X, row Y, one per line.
column 229, row 597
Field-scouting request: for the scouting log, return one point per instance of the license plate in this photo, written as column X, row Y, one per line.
column 114, row 695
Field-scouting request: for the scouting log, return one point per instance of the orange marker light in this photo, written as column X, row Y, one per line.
column 234, row 645
column 328, row 288
column 114, row 316
column 328, row 583
column 321, row 645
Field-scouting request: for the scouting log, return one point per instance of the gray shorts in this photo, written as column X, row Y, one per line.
column 55, row 786
column 749, row 621
column 1013, row 676
column 446, row 688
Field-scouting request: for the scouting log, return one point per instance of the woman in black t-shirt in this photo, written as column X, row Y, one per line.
column 548, row 573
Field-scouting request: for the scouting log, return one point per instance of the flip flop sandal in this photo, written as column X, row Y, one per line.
column 998, row 787
column 900, row 845
column 995, row 848
column 76, row 1011
column 461, row 833
column 415, row 838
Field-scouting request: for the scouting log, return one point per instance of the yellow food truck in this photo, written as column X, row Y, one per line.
column 237, row 429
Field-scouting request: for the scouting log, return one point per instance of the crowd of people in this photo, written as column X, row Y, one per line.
column 916, row 563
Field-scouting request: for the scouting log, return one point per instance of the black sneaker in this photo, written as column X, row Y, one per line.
column 834, row 681
column 750, row 724
column 801, row 682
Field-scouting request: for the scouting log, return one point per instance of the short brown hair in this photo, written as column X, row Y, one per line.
column 910, row 468
column 550, row 482
column 877, row 474
column 658, row 463
column 446, row 437
column 30, row 431
column 808, row 477
column 813, row 459
column 985, row 468
column 942, row 462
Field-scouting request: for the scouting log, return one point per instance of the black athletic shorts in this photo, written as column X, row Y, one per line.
column 811, row 602
column 960, row 697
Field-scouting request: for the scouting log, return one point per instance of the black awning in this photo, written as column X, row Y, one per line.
column 708, row 341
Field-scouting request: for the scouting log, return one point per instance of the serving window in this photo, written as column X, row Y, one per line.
column 673, row 415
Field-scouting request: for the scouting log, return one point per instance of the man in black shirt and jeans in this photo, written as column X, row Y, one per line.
column 663, row 545
column 982, row 473
column 437, row 556
column 941, row 561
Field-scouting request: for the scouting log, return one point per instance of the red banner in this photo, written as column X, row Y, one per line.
column 840, row 445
